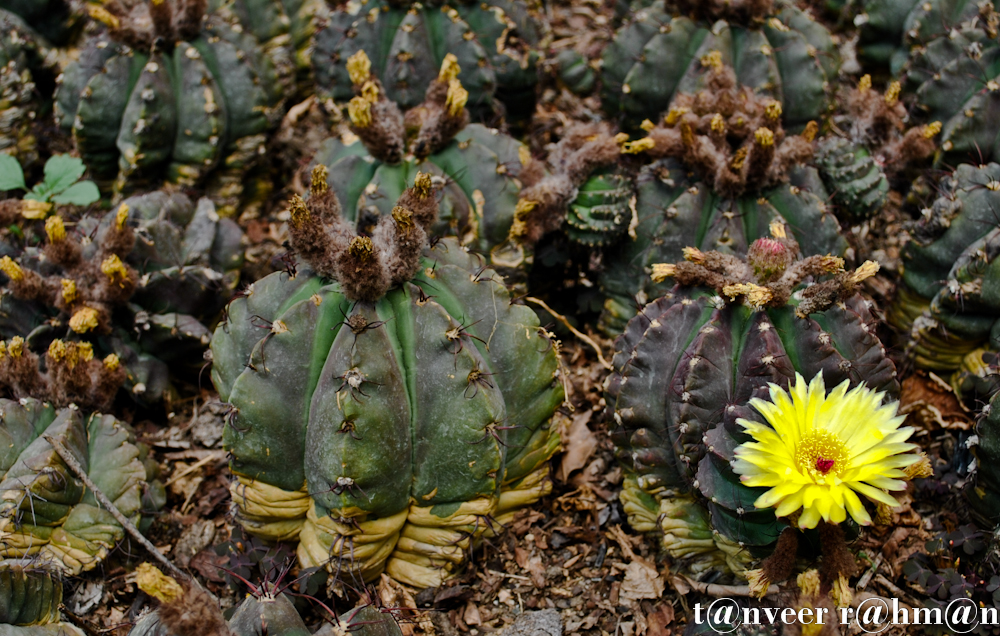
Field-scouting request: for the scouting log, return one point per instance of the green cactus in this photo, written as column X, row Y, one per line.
column 196, row 109
column 984, row 492
column 29, row 595
column 676, row 211
column 685, row 368
column 780, row 51
column 158, row 270
column 601, row 212
column 479, row 166
column 848, row 170
column 947, row 303
column 269, row 613
column 50, row 513
column 890, row 29
column 420, row 360
column 952, row 67
column 496, row 45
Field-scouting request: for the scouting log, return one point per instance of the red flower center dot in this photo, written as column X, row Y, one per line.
column 824, row 465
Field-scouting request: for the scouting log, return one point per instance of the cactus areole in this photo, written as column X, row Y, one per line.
column 390, row 405
column 688, row 365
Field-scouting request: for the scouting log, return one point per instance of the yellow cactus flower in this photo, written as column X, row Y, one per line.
column 55, row 229
column 817, row 452
column 10, row 267
column 114, row 269
column 637, row 146
column 359, row 110
column 359, row 68
column 456, row 98
column 663, row 271
column 85, row 319
column 449, row 68
column 35, row 209
column 121, row 217
column 69, row 291
column 111, row 363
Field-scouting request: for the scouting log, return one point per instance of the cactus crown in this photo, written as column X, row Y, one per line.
column 365, row 266
column 769, row 274
column 159, row 22
column 731, row 135
column 86, row 290
column 384, row 130
column 548, row 189
column 739, row 11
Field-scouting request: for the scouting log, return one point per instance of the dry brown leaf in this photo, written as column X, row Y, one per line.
column 660, row 619
column 472, row 615
column 641, row 581
column 580, row 443
column 930, row 402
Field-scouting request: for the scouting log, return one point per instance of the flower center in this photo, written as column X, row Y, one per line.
column 821, row 453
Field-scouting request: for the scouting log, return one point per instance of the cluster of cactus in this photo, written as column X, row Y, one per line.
column 686, row 367
column 947, row 51
column 46, row 510
column 498, row 46
column 403, row 358
column 479, row 166
column 747, row 172
column 946, row 301
column 170, row 94
column 773, row 46
column 158, row 267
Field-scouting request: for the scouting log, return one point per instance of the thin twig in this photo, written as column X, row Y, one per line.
column 576, row 332
column 720, row 591
column 132, row 531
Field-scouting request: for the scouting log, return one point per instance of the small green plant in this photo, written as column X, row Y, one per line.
column 61, row 184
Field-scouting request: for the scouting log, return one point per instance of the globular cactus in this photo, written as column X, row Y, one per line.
column 983, row 492
column 165, row 95
column 686, row 367
column 952, row 51
column 140, row 293
column 945, row 304
column 851, row 174
column 889, row 30
column 390, row 405
column 30, row 594
column 46, row 511
column 748, row 173
column 497, row 46
column 478, row 165
column 775, row 47
column 873, row 146
column 284, row 27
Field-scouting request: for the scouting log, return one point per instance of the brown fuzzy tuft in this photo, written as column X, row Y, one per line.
column 837, row 558
column 366, row 267
column 542, row 205
column 729, row 134
column 378, row 122
column 780, row 564
column 876, row 120
column 769, row 284
column 442, row 116
column 743, row 12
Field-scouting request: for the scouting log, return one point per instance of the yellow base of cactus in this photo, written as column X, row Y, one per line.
column 930, row 346
column 415, row 546
column 684, row 530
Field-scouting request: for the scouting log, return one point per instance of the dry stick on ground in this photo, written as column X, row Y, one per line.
column 576, row 332
column 115, row 512
column 712, row 589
